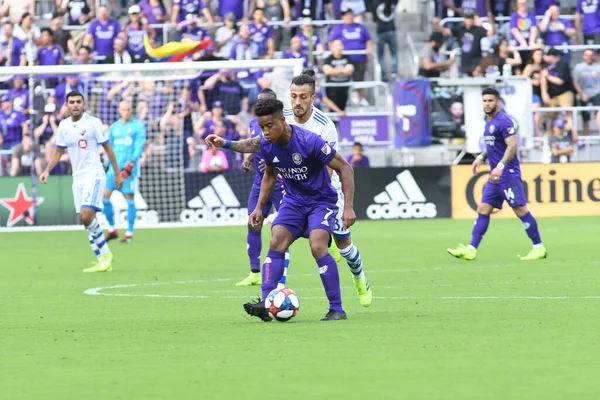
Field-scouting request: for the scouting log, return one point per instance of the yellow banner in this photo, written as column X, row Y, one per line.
column 552, row 190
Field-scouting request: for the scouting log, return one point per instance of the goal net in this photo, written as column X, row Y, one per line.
column 182, row 182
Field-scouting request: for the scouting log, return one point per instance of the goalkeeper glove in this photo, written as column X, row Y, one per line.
column 126, row 171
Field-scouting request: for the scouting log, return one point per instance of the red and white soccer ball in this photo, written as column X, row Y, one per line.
column 282, row 304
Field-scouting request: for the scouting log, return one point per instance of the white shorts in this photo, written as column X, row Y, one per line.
column 87, row 193
column 339, row 230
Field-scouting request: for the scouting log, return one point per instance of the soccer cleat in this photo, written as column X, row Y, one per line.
column 257, row 309
column 254, row 279
column 103, row 265
column 127, row 239
column 110, row 235
column 333, row 315
column 536, row 253
column 335, row 253
column 364, row 292
column 464, row 252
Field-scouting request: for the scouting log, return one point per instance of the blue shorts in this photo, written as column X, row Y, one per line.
column 301, row 220
column 129, row 185
column 274, row 200
column 510, row 189
column 536, row 99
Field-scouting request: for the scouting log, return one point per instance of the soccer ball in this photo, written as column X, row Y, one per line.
column 282, row 304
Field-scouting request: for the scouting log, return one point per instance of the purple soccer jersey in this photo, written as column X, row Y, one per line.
column 11, row 129
column 303, row 167
column 591, row 16
column 18, row 49
column 104, row 35
column 196, row 33
column 193, row 7
column 50, row 56
column 304, row 40
column 354, row 37
column 242, row 50
column 135, row 40
column 541, row 6
column 523, row 24
column 260, row 36
column 554, row 35
column 509, row 187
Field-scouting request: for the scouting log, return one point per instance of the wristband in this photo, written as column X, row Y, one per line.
column 227, row 144
column 500, row 166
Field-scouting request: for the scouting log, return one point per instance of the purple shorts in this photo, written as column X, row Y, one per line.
column 301, row 220
column 275, row 200
column 510, row 190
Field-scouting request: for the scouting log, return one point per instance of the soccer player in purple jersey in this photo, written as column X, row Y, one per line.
column 309, row 207
column 254, row 238
column 504, row 184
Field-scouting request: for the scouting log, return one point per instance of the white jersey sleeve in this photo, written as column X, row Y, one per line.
column 100, row 132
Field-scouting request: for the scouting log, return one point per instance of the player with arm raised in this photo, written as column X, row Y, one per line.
column 504, row 184
column 309, row 206
column 254, row 237
column 82, row 134
column 128, row 138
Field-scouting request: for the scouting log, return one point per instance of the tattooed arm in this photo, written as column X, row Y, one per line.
column 251, row 145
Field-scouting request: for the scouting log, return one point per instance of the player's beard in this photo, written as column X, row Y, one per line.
column 298, row 115
column 492, row 112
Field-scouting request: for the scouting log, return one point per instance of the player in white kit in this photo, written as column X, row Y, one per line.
column 305, row 115
column 82, row 135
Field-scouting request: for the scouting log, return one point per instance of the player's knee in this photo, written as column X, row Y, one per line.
column 278, row 244
column 255, row 228
column 342, row 243
column 319, row 250
column 87, row 217
column 520, row 211
column 484, row 209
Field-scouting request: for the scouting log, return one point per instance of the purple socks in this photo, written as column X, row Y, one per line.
column 272, row 271
column 254, row 244
column 481, row 225
column 530, row 226
column 331, row 281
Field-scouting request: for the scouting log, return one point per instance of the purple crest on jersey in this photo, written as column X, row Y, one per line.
column 302, row 163
column 104, row 36
column 354, row 37
column 496, row 130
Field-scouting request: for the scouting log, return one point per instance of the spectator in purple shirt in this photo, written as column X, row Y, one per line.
column 354, row 36
column 155, row 12
column 191, row 29
column 244, row 47
column 523, row 26
column 102, row 32
column 591, row 20
column 541, row 6
column 19, row 94
column 135, row 30
column 13, row 125
column 12, row 50
column 357, row 158
column 557, row 31
column 479, row 7
column 295, row 51
column 49, row 53
column 303, row 35
column 181, row 8
column 262, row 34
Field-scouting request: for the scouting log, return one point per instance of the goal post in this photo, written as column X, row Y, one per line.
column 176, row 106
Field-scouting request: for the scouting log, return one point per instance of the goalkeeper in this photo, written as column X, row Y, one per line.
column 128, row 138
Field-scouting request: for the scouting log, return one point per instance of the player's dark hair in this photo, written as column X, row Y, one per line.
column 74, row 93
column 258, row 9
column 48, row 30
column 491, row 91
column 267, row 93
column 268, row 107
column 307, row 77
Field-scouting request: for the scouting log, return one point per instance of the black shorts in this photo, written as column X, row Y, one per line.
column 360, row 69
column 339, row 95
column 592, row 101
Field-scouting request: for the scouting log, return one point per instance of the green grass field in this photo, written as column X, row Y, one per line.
column 170, row 325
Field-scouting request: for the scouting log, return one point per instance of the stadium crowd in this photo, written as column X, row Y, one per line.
column 528, row 42
column 216, row 101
